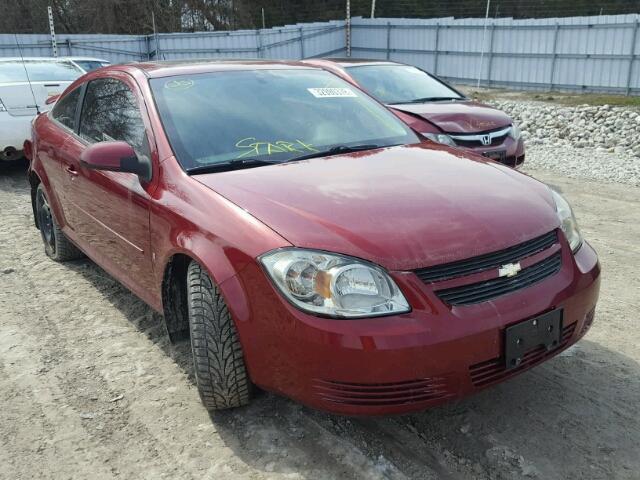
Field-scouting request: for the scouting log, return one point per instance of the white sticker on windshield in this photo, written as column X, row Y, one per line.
column 331, row 92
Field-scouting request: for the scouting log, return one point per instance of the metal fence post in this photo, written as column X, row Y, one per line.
column 555, row 56
column 490, row 55
column 633, row 56
column 69, row 47
column 259, row 43
column 388, row 40
column 435, row 58
column 348, row 28
column 301, row 44
column 52, row 30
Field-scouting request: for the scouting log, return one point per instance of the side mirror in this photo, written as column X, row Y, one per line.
column 116, row 157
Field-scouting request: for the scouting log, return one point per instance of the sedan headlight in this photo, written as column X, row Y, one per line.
column 333, row 285
column 440, row 138
column 514, row 132
column 568, row 222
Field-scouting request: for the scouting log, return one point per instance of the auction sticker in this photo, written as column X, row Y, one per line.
column 332, row 92
column 179, row 84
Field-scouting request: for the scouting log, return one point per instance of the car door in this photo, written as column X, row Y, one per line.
column 111, row 209
column 57, row 152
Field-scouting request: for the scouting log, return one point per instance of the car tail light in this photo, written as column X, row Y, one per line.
column 27, row 149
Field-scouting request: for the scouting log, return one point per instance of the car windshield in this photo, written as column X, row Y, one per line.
column 400, row 84
column 273, row 115
column 39, row 71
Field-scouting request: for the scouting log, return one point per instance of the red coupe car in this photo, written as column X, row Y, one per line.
column 306, row 240
column 433, row 108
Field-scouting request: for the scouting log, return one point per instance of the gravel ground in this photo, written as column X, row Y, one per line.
column 593, row 142
column 91, row 388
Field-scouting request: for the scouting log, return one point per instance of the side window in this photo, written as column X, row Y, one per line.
column 64, row 110
column 110, row 112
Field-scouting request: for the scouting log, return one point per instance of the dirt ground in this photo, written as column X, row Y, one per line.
column 91, row 388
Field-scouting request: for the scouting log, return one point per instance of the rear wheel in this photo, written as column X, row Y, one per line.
column 220, row 370
column 56, row 245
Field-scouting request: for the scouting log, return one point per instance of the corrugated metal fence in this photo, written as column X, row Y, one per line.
column 575, row 53
column 289, row 42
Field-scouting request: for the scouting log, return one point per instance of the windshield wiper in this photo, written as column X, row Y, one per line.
column 236, row 164
column 338, row 150
column 428, row 99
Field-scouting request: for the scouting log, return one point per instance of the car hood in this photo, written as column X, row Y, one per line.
column 400, row 207
column 458, row 117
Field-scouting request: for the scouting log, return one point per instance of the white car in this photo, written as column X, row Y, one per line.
column 87, row 63
column 20, row 102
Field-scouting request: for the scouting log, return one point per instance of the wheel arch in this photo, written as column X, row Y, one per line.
column 34, row 181
column 174, row 289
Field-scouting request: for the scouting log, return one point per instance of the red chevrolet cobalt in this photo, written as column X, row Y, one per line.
column 304, row 239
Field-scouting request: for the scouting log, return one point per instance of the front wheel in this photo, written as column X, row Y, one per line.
column 220, row 370
column 56, row 245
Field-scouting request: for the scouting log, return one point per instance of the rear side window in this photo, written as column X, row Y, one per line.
column 65, row 109
column 110, row 112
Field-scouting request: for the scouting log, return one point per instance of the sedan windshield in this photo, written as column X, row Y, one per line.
column 269, row 115
column 39, row 71
column 401, row 84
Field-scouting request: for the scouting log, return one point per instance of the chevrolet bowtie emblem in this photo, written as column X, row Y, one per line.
column 509, row 270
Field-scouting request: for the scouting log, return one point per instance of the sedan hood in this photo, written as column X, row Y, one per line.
column 401, row 207
column 458, row 117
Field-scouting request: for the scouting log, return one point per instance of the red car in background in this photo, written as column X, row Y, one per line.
column 433, row 108
column 306, row 240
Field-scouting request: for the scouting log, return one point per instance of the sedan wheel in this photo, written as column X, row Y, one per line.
column 217, row 354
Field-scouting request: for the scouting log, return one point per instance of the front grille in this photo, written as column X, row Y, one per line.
column 379, row 394
column 487, row 261
column 495, row 370
column 496, row 137
column 495, row 141
column 487, row 290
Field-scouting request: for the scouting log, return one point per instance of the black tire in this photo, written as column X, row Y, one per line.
column 217, row 354
column 56, row 245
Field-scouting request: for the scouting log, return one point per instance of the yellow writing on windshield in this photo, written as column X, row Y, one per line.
column 252, row 146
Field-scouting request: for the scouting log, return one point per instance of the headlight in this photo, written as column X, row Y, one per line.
column 2, row 107
column 514, row 132
column 568, row 222
column 440, row 138
column 333, row 285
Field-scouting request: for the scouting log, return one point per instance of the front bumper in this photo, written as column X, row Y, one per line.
column 14, row 130
column 511, row 151
column 403, row 363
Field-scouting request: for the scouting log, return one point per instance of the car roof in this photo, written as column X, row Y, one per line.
column 351, row 62
column 168, row 68
column 87, row 59
column 34, row 59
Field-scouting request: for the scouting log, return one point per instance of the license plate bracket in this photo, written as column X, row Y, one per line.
column 544, row 330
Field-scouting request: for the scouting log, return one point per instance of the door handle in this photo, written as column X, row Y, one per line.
column 71, row 170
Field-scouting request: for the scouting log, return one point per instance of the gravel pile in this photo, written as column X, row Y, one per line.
column 596, row 142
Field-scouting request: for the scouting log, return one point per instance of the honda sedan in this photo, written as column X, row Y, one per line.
column 304, row 239
column 433, row 108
